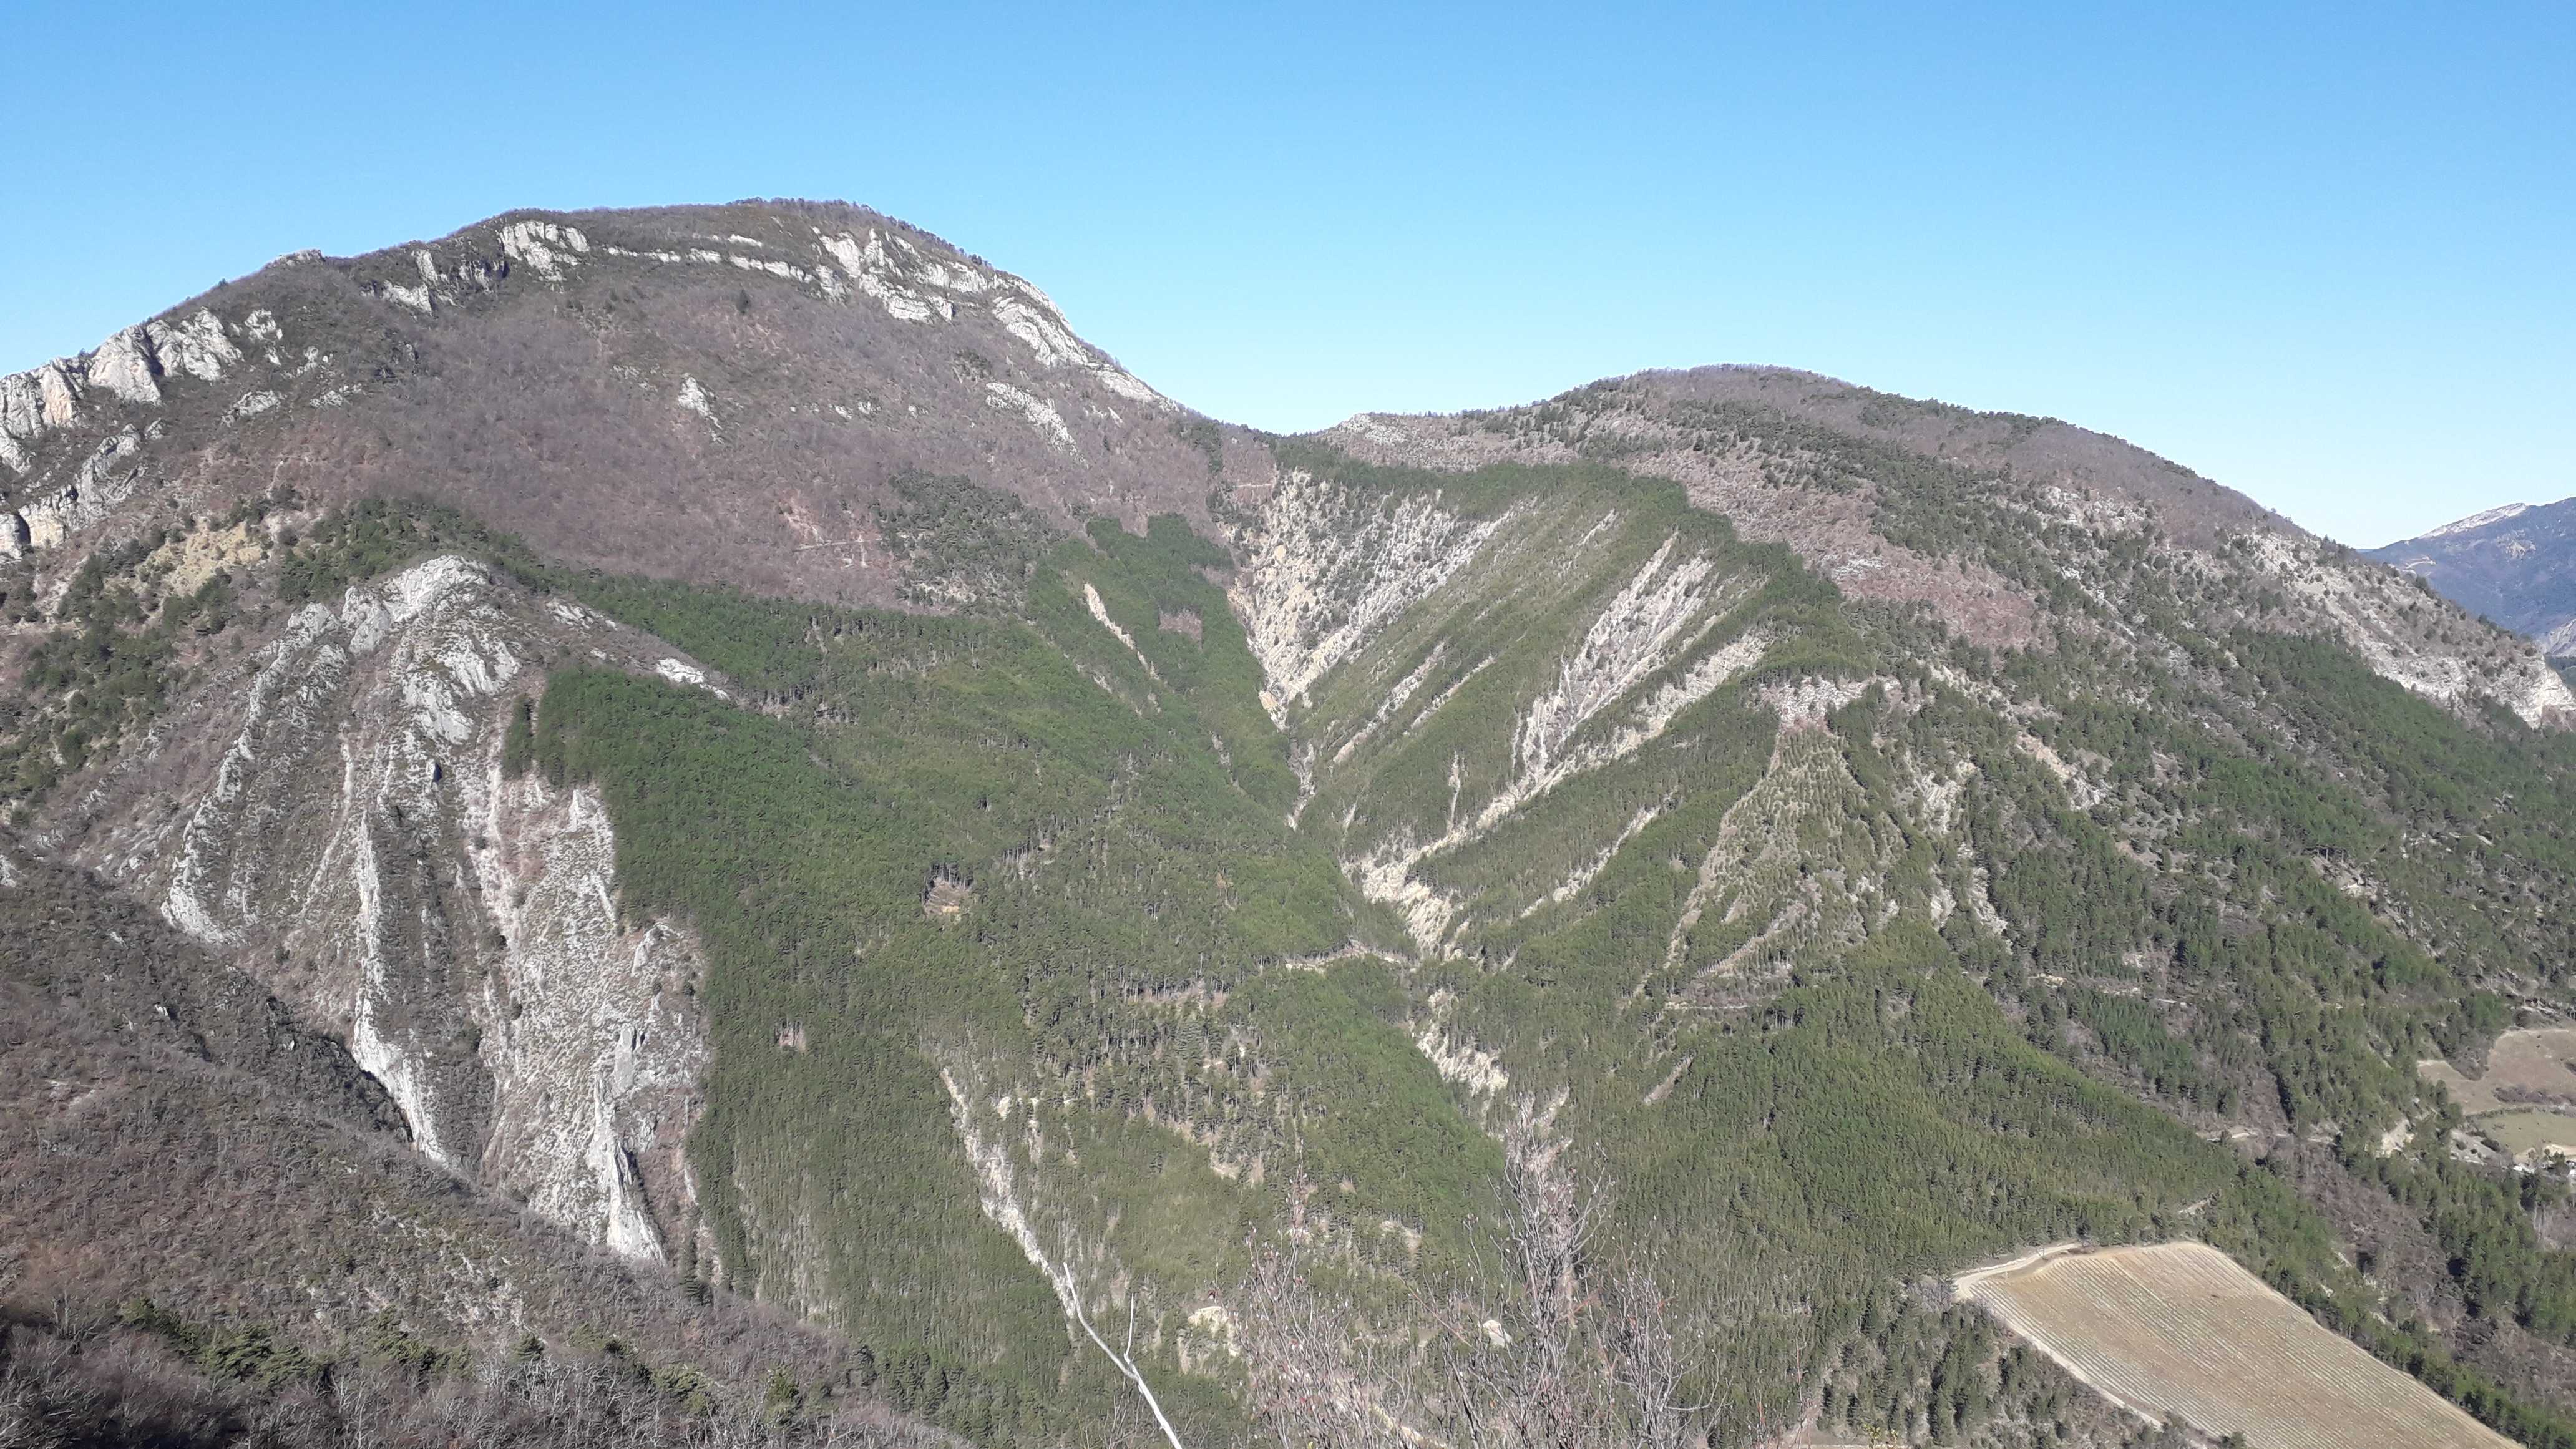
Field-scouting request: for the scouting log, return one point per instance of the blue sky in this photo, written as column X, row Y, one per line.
column 2322, row 254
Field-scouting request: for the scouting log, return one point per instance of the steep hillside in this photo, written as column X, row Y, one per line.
column 2220, row 860
column 327, row 810
column 208, row 1236
column 2515, row 565
column 1548, row 923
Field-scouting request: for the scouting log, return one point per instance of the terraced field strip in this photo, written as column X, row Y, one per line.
column 2180, row 1330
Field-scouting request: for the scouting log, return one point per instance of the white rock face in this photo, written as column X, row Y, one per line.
column 1100, row 615
column 595, row 1048
column 33, row 403
column 104, row 479
column 360, row 850
column 432, row 643
column 693, row 398
column 915, row 287
column 1657, row 616
column 787, row 270
column 1626, row 643
column 59, row 395
column 1461, row 1062
column 2538, row 693
column 123, row 366
column 1045, row 335
column 2476, row 521
column 21, row 406
column 1026, row 314
column 251, row 405
column 876, row 272
column 914, row 283
column 194, row 344
column 1325, row 579
column 1041, row 414
column 2368, row 606
column 1326, row 570
column 128, row 366
column 545, row 247
column 1386, row 875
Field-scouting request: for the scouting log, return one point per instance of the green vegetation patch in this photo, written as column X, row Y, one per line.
column 964, row 845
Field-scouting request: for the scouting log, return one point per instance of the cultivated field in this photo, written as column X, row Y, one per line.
column 2179, row 1330
column 2525, row 1100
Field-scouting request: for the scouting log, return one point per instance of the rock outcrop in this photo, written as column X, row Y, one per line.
column 127, row 367
column 342, row 828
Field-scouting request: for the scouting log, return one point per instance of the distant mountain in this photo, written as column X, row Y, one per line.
column 2516, row 565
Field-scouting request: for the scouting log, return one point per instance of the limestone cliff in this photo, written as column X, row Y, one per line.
column 331, row 813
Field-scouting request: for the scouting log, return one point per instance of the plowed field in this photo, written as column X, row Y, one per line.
column 2178, row 1329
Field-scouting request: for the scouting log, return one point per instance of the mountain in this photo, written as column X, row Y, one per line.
column 739, row 749
column 2515, row 565
column 714, row 395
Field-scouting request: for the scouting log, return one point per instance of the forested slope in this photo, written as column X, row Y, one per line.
column 1557, row 922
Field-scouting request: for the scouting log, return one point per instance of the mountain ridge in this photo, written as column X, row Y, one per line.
column 803, row 379
column 1678, row 424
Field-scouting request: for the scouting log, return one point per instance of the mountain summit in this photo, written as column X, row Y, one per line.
column 717, row 393
column 711, row 794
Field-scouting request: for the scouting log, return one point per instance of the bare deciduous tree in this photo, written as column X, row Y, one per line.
column 1567, row 1353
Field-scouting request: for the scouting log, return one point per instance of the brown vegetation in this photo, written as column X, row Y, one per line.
column 550, row 407
column 167, row 1134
